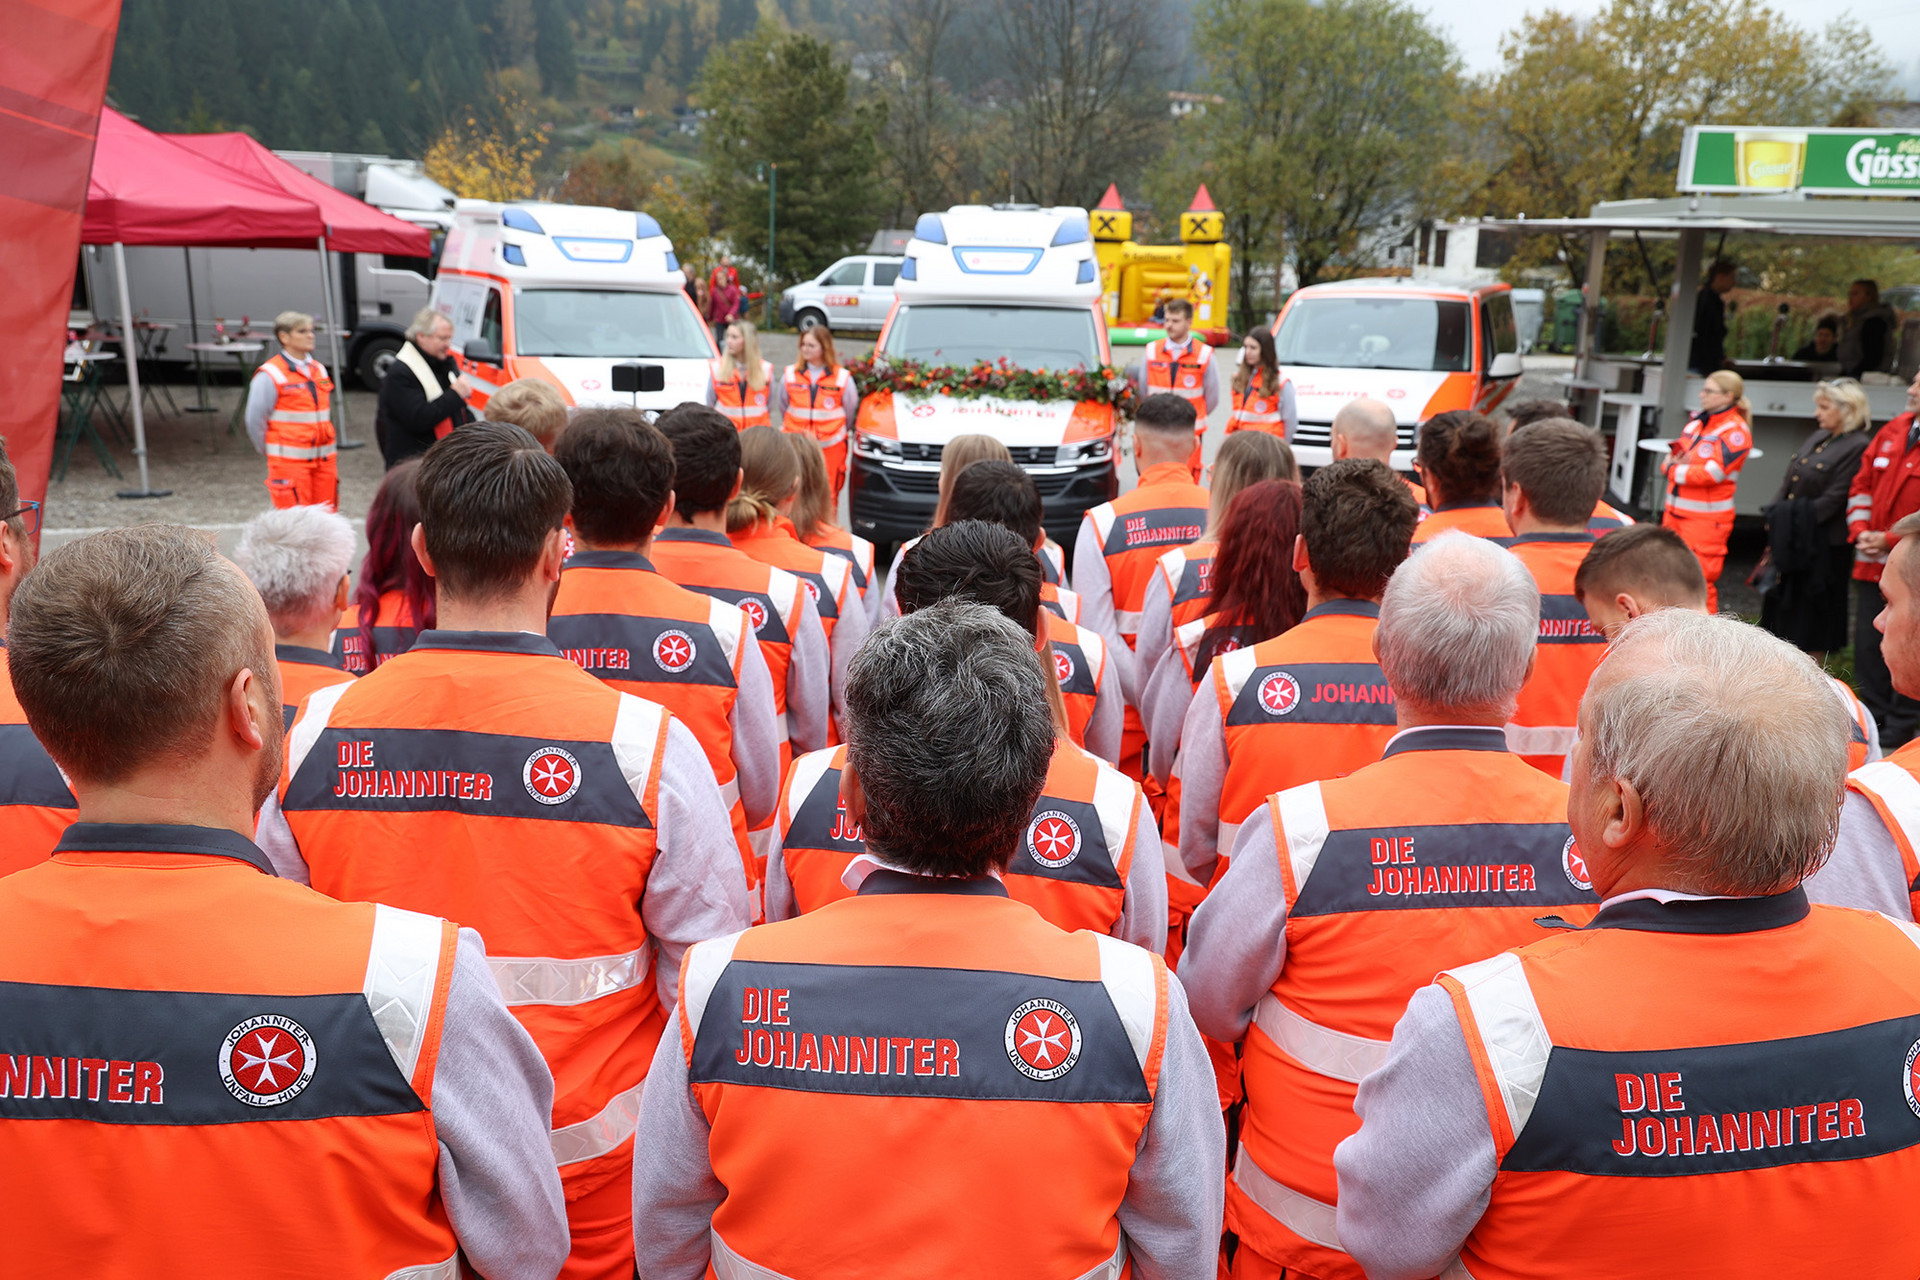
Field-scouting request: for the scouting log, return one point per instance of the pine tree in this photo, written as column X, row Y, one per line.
column 553, row 48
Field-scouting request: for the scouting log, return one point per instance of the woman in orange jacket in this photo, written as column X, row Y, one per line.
column 1703, row 470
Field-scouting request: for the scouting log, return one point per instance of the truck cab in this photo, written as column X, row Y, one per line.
column 1419, row 347
column 565, row 292
column 981, row 285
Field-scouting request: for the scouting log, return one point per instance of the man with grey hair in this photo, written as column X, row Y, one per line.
column 1365, row 428
column 1345, row 896
column 268, row 1032
column 423, row 394
column 867, row 1086
column 298, row 559
column 1691, row 1083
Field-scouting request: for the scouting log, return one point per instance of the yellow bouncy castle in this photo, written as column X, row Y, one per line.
column 1138, row 278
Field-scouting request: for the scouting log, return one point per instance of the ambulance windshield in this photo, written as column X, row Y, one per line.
column 1376, row 333
column 964, row 334
column 606, row 324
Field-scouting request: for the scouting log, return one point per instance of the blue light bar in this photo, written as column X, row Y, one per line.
column 520, row 220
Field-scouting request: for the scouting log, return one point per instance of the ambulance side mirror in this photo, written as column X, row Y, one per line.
column 630, row 377
column 1505, row 365
column 479, row 352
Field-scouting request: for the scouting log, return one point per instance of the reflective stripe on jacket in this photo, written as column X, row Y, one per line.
column 1704, row 469
column 1183, row 375
column 298, row 425
column 1547, row 718
column 818, row 405
column 736, row 397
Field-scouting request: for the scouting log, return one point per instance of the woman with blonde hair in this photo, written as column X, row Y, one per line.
column 1702, row 469
column 1809, row 560
column 816, row 396
column 1177, row 591
column 759, row 522
column 742, row 384
column 812, row 515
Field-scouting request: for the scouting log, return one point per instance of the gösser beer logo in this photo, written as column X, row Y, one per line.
column 1907, row 1077
column 1053, row 838
column 551, row 775
column 1279, row 694
column 1575, row 866
column 268, row 1060
column 1043, row 1040
column 673, row 651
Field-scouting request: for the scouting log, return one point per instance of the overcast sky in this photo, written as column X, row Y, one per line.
column 1477, row 25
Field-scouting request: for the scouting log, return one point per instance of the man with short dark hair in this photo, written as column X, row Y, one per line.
column 483, row 775
column 626, row 623
column 694, row 551
column 1311, row 703
column 1182, row 365
column 1551, row 474
column 35, row 805
column 1091, row 857
column 1121, row 541
column 300, row 559
column 236, row 1063
column 1708, row 351
column 872, row 1081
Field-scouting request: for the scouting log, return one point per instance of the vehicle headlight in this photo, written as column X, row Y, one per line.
column 868, row 445
column 1088, row 451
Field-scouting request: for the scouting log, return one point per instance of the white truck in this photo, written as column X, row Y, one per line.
column 574, row 294
column 984, row 284
column 375, row 295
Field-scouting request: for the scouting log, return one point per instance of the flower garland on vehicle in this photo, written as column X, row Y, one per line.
column 1001, row 379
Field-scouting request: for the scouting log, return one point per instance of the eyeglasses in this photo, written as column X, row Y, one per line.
column 30, row 511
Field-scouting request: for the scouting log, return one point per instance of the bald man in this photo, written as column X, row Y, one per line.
column 1365, row 428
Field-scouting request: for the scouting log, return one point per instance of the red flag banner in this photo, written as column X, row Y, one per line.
column 54, row 59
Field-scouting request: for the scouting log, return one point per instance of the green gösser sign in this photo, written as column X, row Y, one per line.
column 1826, row 162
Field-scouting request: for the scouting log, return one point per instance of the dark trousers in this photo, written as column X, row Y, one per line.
column 1897, row 715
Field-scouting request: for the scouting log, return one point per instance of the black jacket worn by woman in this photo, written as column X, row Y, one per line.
column 1807, row 542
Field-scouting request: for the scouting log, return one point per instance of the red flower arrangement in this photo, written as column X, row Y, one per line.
column 1001, row 380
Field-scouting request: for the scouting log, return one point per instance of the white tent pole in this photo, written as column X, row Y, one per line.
column 130, row 349
column 338, row 405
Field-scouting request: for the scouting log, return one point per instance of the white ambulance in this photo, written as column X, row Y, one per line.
column 564, row 293
column 979, row 283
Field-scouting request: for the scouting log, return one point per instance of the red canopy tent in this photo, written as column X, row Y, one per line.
column 146, row 189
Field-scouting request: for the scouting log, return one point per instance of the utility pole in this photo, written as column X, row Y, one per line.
column 770, row 174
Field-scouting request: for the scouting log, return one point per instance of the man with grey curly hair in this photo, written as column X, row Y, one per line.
column 841, row 1076
column 298, row 560
column 1342, row 898
column 1699, row 1072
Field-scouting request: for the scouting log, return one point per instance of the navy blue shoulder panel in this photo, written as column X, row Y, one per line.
column 27, row 773
column 915, row 1033
column 626, row 646
column 1315, row 693
column 1412, row 868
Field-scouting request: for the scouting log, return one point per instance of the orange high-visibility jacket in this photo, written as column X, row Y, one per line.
column 736, row 397
column 393, row 632
column 1705, row 1097
column 851, row 547
column 818, row 406
column 486, row 778
column 1167, row 509
column 208, row 1070
column 1079, row 663
column 1188, row 572
column 299, row 427
column 829, row 579
column 1605, row 519
column 1256, row 410
column 1072, row 866
column 1568, row 649
column 35, row 805
column 302, row 671
column 617, row 618
column 1893, row 787
column 1482, row 519
column 1704, row 469
column 930, row 1030
column 1450, row 847
column 1183, row 375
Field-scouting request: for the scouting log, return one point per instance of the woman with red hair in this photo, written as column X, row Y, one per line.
column 1256, row 595
column 394, row 599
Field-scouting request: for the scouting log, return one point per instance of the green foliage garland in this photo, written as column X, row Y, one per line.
column 1001, row 380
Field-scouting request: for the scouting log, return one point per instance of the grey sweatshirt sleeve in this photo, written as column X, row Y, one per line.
column 1289, row 410
column 1237, row 940
column 756, row 737
column 674, row 1190
column 1210, row 387
column 275, row 839
column 1418, row 1175
column 1155, row 636
column 890, row 600
column 778, row 901
column 1094, row 586
column 261, row 397
column 852, row 403
column 777, row 401
column 492, row 1107
column 1865, row 869
column 809, row 689
column 1108, row 722
column 1163, row 709
column 696, row 888
column 1177, row 1190
column 1202, row 768
column 1143, row 910
column 849, row 633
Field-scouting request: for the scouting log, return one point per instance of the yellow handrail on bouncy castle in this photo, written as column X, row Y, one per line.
column 1137, row 278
